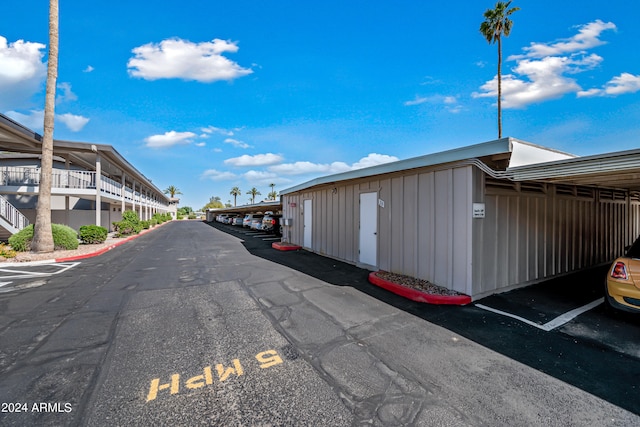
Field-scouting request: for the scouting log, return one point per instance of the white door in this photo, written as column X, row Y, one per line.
column 369, row 228
column 307, row 221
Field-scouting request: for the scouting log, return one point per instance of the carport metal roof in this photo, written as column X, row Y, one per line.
column 619, row 170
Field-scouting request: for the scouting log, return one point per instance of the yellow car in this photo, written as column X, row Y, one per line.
column 622, row 289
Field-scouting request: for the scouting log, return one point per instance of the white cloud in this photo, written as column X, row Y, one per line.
column 35, row 120
column 301, row 168
column 213, row 129
column 73, row 122
column 21, row 72
column 542, row 73
column 624, row 83
column 373, row 159
column 200, row 144
column 450, row 102
column 176, row 58
column 216, row 175
column 67, row 95
column 587, row 38
column 169, row 139
column 236, row 143
column 417, row 101
column 257, row 160
column 88, row 69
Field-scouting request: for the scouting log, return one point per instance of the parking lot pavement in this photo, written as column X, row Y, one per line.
column 594, row 350
column 30, row 274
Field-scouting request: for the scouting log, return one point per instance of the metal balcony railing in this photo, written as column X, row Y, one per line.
column 19, row 176
column 12, row 215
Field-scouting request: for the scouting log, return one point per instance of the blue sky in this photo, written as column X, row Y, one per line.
column 208, row 95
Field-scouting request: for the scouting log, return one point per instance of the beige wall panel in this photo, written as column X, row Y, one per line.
column 460, row 261
column 397, row 226
column 425, row 226
column 384, row 226
column 409, row 221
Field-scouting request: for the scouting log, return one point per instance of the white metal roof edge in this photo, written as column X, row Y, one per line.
column 498, row 146
column 597, row 163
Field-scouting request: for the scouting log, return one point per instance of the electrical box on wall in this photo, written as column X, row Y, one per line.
column 288, row 222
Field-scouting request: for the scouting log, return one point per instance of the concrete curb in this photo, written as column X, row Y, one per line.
column 416, row 295
column 83, row 256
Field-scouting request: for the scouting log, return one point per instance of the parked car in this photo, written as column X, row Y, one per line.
column 622, row 287
column 256, row 223
column 236, row 220
column 246, row 222
column 221, row 217
column 272, row 224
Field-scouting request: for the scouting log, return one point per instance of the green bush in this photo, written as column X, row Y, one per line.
column 21, row 241
column 130, row 224
column 146, row 224
column 90, row 234
column 63, row 238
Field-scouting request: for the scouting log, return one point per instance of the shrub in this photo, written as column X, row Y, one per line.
column 130, row 224
column 21, row 241
column 6, row 252
column 146, row 224
column 63, row 238
column 90, row 234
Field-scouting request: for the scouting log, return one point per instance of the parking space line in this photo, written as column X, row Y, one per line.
column 22, row 274
column 558, row 321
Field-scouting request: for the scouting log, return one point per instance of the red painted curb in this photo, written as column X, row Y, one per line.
column 416, row 295
column 285, row 246
column 108, row 248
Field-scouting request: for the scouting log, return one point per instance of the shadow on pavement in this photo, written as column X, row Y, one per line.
column 588, row 365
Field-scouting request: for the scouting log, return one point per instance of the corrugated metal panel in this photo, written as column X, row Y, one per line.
column 527, row 237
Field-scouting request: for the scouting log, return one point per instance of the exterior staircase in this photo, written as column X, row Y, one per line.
column 11, row 220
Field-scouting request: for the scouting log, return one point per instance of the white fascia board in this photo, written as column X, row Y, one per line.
column 498, row 146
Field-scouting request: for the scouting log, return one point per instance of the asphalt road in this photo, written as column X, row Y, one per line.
column 191, row 325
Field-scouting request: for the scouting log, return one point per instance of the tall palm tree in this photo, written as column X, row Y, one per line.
column 172, row 191
column 254, row 192
column 42, row 235
column 272, row 194
column 496, row 24
column 235, row 192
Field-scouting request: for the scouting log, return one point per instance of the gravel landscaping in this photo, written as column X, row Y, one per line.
column 418, row 284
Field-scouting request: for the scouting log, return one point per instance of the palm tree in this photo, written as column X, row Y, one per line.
column 254, row 192
column 235, row 192
column 172, row 191
column 42, row 234
column 272, row 195
column 496, row 24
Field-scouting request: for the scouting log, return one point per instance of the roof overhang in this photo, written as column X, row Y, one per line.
column 619, row 170
column 16, row 138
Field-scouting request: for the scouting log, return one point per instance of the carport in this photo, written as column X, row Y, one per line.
column 479, row 219
column 262, row 207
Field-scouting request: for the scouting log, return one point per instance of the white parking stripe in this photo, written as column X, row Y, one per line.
column 558, row 321
column 31, row 274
